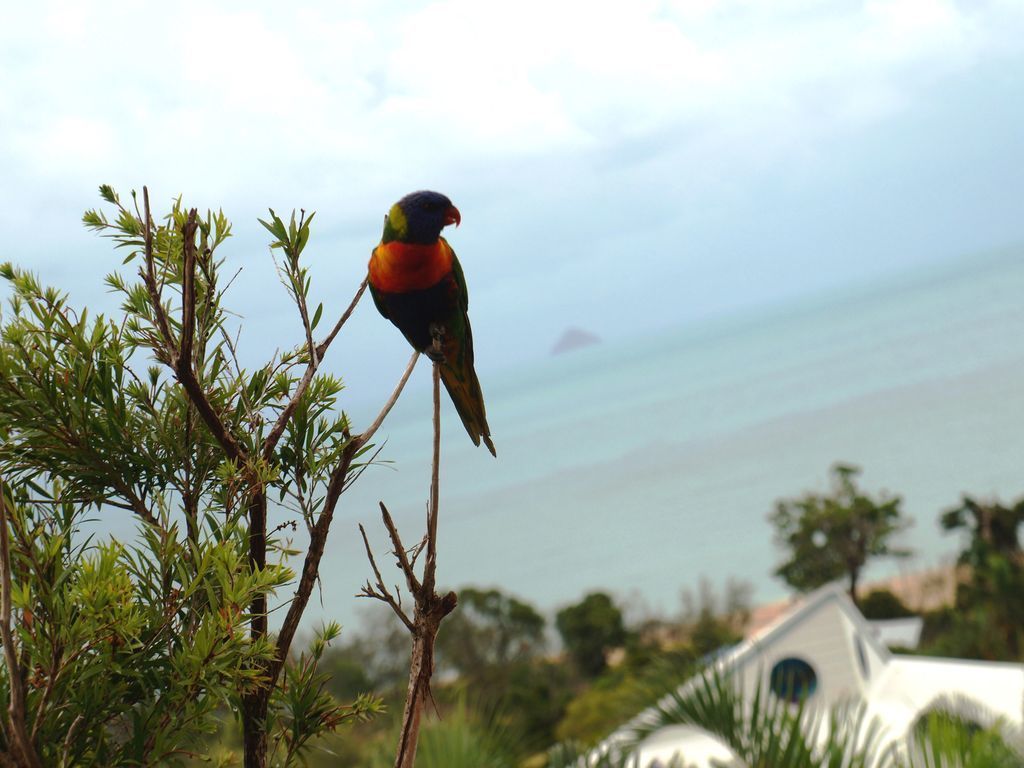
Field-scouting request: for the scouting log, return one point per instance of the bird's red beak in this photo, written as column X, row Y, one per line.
column 452, row 216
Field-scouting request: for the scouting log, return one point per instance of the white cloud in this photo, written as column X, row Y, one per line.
column 226, row 89
column 560, row 113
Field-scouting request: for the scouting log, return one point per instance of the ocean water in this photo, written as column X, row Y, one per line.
column 640, row 467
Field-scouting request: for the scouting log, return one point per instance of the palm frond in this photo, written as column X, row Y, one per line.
column 765, row 731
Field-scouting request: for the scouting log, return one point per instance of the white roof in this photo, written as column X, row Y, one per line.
column 901, row 633
column 910, row 685
column 850, row 661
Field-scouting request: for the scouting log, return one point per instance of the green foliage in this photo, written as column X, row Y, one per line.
column 303, row 707
column 988, row 622
column 883, row 604
column 994, row 528
column 598, row 710
column 827, row 537
column 589, row 630
column 464, row 736
column 536, row 694
column 765, row 731
column 134, row 649
column 569, row 754
column 374, row 659
column 712, row 620
column 620, row 693
column 127, row 650
column 488, row 628
column 942, row 738
column 495, row 642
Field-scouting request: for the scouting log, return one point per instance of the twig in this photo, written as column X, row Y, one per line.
column 187, row 376
column 149, row 278
column 316, row 355
column 135, row 504
column 381, row 592
column 70, row 738
column 343, row 319
column 363, row 438
column 430, row 567
column 179, row 361
column 298, row 289
column 400, row 552
column 16, row 708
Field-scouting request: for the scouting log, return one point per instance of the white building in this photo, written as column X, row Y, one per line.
column 827, row 650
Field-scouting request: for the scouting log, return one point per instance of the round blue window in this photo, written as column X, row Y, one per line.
column 793, row 679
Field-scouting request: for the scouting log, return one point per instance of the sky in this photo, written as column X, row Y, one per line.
column 621, row 167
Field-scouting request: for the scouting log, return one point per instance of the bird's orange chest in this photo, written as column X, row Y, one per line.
column 401, row 267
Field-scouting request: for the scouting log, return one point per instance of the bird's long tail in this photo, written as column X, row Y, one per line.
column 464, row 389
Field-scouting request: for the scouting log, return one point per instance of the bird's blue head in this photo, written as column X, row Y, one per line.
column 419, row 217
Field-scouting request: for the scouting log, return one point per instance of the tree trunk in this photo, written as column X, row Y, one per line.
column 255, row 704
column 430, row 612
column 419, row 676
column 254, row 728
column 854, row 577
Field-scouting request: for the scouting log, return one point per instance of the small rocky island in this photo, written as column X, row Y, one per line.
column 573, row 339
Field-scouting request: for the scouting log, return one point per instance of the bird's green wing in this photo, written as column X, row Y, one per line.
column 460, row 280
column 378, row 301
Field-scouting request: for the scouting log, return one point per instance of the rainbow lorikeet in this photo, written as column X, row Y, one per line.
column 417, row 283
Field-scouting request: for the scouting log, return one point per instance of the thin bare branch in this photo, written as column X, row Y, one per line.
column 149, row 278
column 70, row 738
column 400, row 552
column 316, row 356
column 311, row 563
column 430, row 566
column 381, row 591
column 134, row 503
column 365, row 437
column 322, row 348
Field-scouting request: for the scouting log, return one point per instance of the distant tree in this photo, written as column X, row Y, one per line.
column 994, row 528
column 712, row 620
column 489, row 628
column 376, row 658
column 884, row 604
column 828, row 537
column 589, row 630
column 988, row 622
column 537, row 693
column 620, row 693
